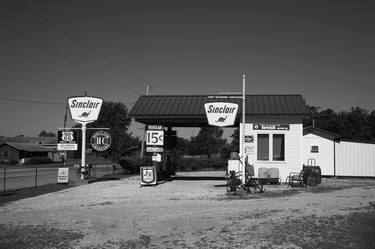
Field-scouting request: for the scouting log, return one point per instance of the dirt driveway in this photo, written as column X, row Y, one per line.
column 340, row 213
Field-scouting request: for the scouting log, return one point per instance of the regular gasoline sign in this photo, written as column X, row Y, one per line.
column 221, row 113
column 100, row 140
column 84, row 109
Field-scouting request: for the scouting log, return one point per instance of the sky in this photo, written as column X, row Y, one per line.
column 51, row 50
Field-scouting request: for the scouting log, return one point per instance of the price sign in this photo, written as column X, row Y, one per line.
column 155, row 137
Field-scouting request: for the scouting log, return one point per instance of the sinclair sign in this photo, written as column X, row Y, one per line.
column 85, row 109
column 221, row 113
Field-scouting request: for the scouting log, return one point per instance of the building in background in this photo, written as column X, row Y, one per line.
column 337, row 156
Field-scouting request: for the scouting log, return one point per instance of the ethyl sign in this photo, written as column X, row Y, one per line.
column 84, row 109
column 221, row 113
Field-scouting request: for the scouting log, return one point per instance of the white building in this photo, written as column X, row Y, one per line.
column 336, row 156
column 274, row 142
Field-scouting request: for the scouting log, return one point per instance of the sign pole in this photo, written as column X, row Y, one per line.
column 243, row 129
column 83, row 163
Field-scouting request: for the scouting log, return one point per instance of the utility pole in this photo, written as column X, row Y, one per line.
column 243, row 129
column 144, row 129
column 148, row 89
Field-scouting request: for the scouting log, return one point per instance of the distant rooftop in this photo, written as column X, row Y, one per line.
column 26, row 139
column 27, row 147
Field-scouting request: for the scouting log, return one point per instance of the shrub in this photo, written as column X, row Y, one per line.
column 38, row 160
column 12, row 162
column 194, row 164
column 132, row 164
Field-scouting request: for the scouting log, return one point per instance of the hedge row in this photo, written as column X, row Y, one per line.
column 131, row 165
column 195, row 164
column 32, row 160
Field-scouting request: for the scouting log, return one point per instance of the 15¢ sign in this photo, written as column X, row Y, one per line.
column 155, row 137
column 101, row 140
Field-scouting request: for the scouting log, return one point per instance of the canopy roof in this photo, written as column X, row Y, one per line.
column 188, row 110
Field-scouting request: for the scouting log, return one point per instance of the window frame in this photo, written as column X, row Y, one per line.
column 314, row 150
column 282, row 149
column 270, row 147
column 268, row 157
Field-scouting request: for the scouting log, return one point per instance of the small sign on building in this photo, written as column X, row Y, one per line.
column 271, row 127
column 249, row 139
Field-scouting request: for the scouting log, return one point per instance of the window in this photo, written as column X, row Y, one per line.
column 278, row 147
column 6, row 153
column 263, row 147
column 314, row 149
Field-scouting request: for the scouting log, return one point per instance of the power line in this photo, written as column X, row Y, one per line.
column 31, row 101
column 33, row 120
column 44, row 102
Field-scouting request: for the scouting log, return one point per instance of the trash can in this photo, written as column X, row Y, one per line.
column 312, row 175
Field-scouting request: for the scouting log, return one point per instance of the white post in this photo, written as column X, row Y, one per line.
column 243, row 129
column 143, row 141
column 83, row 163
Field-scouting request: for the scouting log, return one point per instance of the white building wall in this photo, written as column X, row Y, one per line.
column 355, row 159
column 293, row 145
column 324, row 158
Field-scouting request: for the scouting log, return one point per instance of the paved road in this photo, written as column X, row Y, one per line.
column 17, row 178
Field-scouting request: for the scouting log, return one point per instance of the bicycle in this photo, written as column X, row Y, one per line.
column 233, row 182
column 86, row 171
column 251, row 184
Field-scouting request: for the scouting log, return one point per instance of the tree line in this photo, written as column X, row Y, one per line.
column 356, row 124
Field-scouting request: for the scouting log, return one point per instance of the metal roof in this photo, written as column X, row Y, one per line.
column 320, row 132
column 188, row 110
column 28, row 147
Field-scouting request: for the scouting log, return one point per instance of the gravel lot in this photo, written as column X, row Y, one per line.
column 340, row 213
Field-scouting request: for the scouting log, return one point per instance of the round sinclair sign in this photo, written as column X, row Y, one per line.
column 101, row 140
column 84, row 109
column 221, row 113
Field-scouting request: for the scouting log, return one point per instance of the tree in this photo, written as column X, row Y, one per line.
column 43, row 133
column 115, row 117
column 235, row 144
column 356, row 124
column 207, row 142
column 182, row 146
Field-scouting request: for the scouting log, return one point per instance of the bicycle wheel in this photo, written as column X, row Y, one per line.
column 231, row 184
column 228, row 184
column 311, row 181
column 259, row 185
column 78, row 173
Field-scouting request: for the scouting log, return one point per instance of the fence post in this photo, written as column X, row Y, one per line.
column 5, row 173
column 36, row 176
